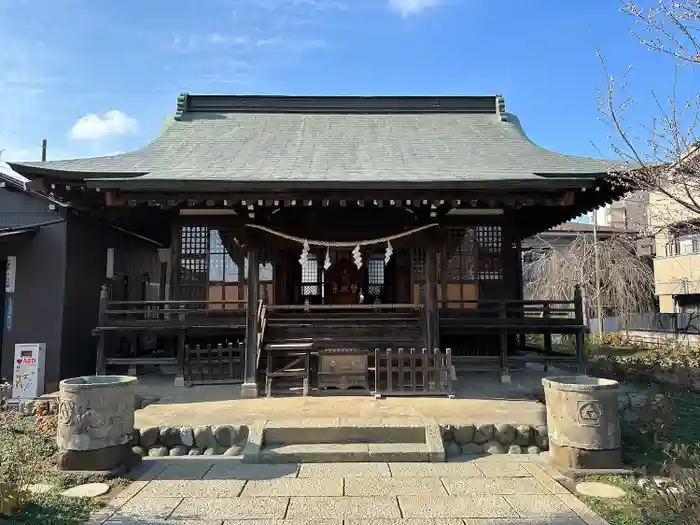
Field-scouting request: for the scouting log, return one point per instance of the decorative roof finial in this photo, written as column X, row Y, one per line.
column 501, row 108
column 181, row 107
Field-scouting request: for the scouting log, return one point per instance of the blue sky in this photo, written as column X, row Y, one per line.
column 99, row 77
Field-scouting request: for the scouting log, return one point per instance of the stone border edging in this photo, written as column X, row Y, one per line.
column 220, row 440
column 502, row 438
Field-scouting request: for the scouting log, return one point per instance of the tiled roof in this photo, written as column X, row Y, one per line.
column 310, row 139
column 581, row 227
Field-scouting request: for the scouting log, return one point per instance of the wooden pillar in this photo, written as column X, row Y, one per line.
column 101, row 358
column 547, row 338
column 430, row 305
column 250, row 386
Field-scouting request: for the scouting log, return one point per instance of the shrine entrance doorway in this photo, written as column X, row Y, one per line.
column 343, row 283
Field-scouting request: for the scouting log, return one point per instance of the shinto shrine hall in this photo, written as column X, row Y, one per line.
column 319, row 244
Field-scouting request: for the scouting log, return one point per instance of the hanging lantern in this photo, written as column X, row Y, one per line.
column 388, row 253
column 327, row 262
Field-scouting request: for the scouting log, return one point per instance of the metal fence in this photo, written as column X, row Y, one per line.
column 681, row 323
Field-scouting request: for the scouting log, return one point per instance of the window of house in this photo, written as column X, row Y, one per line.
column 375, row 275
column 222, row 267
column 684, row 244
column 309, row 276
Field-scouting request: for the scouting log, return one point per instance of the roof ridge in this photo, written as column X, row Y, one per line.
column 188, row 103
column 501, row 108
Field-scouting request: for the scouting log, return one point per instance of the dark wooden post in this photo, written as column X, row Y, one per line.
column 431, row 295
column 547, row 336
column 250, row 386
column 503, row 319
column 101, row 361
column 581, row 330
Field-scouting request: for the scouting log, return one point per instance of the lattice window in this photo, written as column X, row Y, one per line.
column 194, row 248
column 375, row 275
column 309, row 277
column 222, row 268
column 461, row 246
column 418, row 264
column 490, row 242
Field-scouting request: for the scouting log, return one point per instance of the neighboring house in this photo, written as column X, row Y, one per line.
column 53, row 260
column 561, row 236
column 677, row 248
column 628, row 213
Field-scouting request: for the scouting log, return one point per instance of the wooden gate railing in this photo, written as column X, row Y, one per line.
column 413, row 372
column 214, row 364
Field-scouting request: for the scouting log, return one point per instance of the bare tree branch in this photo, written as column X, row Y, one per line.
column 626, row 280
column 662, row 154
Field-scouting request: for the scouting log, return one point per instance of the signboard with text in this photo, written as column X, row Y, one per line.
column 28, row 378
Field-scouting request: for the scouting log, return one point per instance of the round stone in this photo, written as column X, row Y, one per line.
column 158, row 452
column 463, row 434
column 178, row 450
column 140, row 451
column 504, row 433
column 494, row 447
column 148, row 436
column 515, row 449
column 533, row 449
column 204, row 437
column 39, row 488
column 542, row 436
column 523, row 435
column 472, row 448
column 453, row 450
column 194, row 452
column 235, row 450
column 595, row 489
column 170, row 437
column 225, row 435
column 90, row 490
column 483, row 433
column 212, row 451
column 187, row 436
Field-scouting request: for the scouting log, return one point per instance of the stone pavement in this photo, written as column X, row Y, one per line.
column 481, row 398
column 487, row 491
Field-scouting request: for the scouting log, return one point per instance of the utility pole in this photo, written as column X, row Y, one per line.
column 598, row 306
column 43, row 150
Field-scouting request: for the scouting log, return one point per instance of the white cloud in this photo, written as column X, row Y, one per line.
column 94, row 127
column 411, row 7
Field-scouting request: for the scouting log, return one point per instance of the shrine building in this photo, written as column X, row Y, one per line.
column 308, row 244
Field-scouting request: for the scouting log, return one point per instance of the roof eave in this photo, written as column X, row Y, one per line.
column 170, row 185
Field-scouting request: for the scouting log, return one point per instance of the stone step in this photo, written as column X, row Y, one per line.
column 343, row 434
column 345, row 453
column 333, row 441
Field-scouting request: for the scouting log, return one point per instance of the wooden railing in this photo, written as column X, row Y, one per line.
column 173, row 317
column 510, row 311
column 376, row 307
column 124, row 313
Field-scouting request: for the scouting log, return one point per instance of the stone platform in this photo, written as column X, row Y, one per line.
column 480, row 398
column 486, row 417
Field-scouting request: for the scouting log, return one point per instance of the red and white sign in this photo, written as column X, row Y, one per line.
column 28, row 377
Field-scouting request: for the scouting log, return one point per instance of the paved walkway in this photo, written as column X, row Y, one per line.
column 488, row 491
